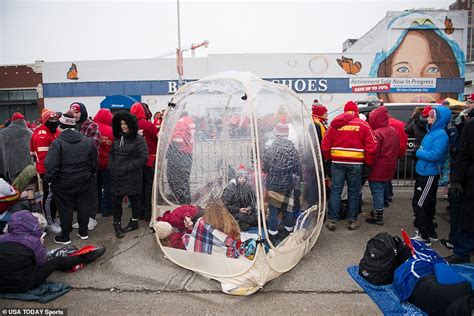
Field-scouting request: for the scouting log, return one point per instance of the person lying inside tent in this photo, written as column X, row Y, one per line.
column 23, row 264
column 171, row 227
column 239, row 198
column 216, row 232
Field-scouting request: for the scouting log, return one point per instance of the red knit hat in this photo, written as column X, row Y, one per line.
column 46, row 115
column 426, row 111
column 241, row 172
column 17, row 116
column 281, row 130
column 318, row 109
column 351, row 106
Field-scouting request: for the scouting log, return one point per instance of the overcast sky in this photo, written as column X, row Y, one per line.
column 95, row 30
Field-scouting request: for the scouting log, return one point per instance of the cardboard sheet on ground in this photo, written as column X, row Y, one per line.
column 244, row 152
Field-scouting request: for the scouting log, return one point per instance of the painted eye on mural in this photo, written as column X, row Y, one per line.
column 403, row 69
column 432, row 70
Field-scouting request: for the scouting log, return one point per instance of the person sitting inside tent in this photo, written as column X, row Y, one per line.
column 171, row 227
column 216, row 232
column 23, row 264
column 239, row 198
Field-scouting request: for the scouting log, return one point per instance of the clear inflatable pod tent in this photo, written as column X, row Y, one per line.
column 239, row 191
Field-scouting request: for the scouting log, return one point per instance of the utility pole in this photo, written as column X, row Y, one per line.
column 179, row 53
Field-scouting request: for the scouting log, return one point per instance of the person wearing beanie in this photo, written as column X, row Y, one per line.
column 320, row 118
column 239, row 198
column 41, row 139
column 127, row 158
column 281, row 163
column 71, row 164
column 351, row 146
column 103, row 119
column 14, row 148
column 431, row 156
column 150, row 133
column 90, row 129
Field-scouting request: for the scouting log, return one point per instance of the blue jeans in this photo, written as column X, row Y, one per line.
column 341, row 173
column 377, row 189
column 388, row 190
column 103, row 191
column 273, row 218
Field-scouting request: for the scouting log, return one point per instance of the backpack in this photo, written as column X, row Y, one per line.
column 383, row 254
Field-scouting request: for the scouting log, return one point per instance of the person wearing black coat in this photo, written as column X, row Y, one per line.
column 416, row 127
column 239, row 198
column 462, row 185
column 127, row 158
column 70, row 165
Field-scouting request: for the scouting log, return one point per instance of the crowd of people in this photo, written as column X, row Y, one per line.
column 358, row 150
column 90, row 165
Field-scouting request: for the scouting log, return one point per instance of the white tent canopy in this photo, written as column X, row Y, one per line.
column 221, row 127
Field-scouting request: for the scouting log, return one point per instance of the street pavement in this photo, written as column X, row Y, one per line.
column 134, row 278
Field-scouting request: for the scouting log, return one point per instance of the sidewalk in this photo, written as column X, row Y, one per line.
column 134, row 278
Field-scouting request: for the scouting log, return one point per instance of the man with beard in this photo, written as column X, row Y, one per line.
column 41, row 139
column 90, row 129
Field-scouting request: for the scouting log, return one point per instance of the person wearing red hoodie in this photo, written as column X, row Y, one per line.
column 351, row 146
column 103, row 119
column 385, row 160
column 150, row 133
column 400, row 128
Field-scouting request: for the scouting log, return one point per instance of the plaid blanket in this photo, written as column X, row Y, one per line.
column 206, row 239
column 281, row 200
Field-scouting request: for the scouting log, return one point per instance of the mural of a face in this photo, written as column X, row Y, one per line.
column 421, row 53
column 413, row 60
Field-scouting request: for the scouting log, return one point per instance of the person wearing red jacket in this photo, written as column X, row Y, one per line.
column 103, row 119
column 385, row 160
column 351, row 146
column 400, row 128
column 150, row 133
column 180, row 158
column 41, row 139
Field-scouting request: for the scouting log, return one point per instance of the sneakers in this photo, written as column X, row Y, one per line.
column 446, row 243
column 90, row 226
column 331, row 225
column 353, row 225
column 54, row 229
column 433, row 237
column 453, row 259
column 418, row 237
column 83, row 237
column 63, row 240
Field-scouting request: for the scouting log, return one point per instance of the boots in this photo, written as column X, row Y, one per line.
column 118, row 230
column 377, row 218
column 132, row 225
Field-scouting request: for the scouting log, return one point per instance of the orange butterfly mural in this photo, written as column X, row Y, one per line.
column 349, row 66
column 72, row 73
column 449, row 27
